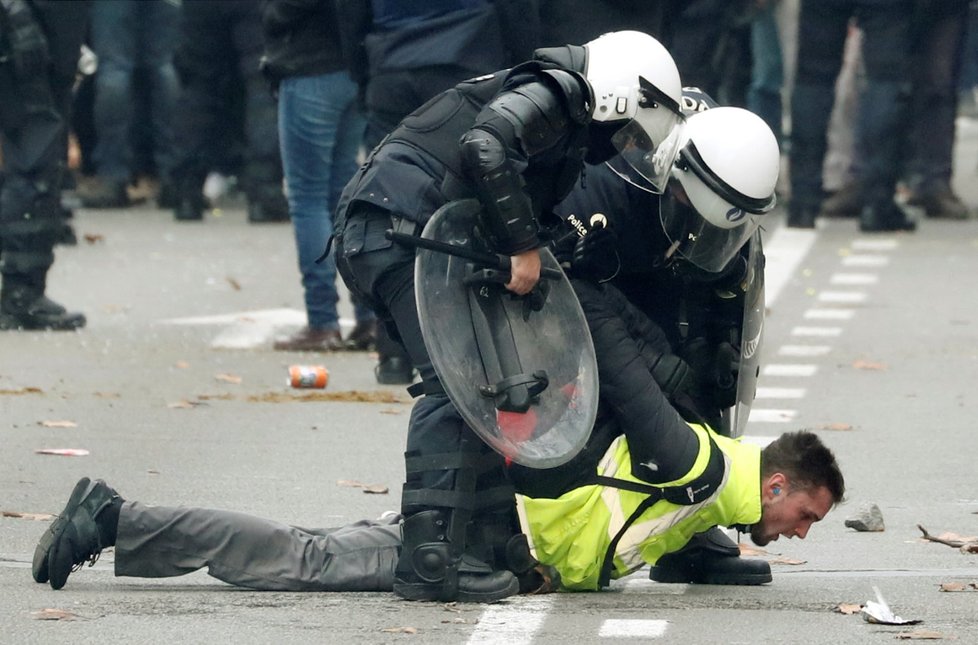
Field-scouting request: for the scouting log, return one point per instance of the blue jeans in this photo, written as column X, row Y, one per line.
column 127, row 34
column 320, row 131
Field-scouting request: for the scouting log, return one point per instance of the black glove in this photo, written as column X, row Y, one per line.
column 595, row 256
column 28, row 45
column 672, row 374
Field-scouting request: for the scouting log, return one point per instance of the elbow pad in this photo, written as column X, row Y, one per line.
column 508, row 211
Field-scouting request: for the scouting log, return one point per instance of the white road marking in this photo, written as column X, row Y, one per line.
column 783, row 253
column 779, row 393
column 823, row 332
column 853, row 279
column 842, row 296
column 886, row 244
column 865, row 261
column 633, row 628
column 789, row 369
column 514, row 622
column 829, row 314
column 771, row 416
column 804, row 350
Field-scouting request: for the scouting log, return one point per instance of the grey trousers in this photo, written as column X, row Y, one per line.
column 248, row 551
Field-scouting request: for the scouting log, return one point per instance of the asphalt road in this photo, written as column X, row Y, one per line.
column 871, row 341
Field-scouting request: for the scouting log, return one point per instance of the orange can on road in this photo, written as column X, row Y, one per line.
column 308, row 376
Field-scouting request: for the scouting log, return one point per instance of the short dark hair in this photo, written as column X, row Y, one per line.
column 806, row 461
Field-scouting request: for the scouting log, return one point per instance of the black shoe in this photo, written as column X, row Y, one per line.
column 885, row 218
column 101, row 192
column 710, row 558
column 269, row 210
column 190, row 208
column 394, row 370
column 845, row 202
column 363, row 337
column 940, row 203
column 73, row 538
column 41, row 313
column 801, row 217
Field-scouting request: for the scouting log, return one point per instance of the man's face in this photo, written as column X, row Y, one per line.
column 789, row 512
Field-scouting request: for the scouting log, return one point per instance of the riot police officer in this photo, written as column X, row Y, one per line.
column 681, row 259
column 39, row 49
column 516, row 140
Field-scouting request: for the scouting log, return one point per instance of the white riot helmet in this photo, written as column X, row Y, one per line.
column 635, row 81
column 724, row 167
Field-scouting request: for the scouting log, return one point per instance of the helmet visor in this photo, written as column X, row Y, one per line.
column 650, row 152
column 693, row 234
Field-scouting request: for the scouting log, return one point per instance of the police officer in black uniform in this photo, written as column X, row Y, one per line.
column 618, row 236
column 39, row 47
column 516, row 140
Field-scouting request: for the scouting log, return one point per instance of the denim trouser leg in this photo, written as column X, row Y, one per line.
column 159, row 27
column 114, row 38
column 320, row 133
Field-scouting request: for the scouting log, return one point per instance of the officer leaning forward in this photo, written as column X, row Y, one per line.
column 516, row 140
column 39, row 47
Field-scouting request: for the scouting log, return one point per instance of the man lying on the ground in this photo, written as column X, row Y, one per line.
column 778, row 491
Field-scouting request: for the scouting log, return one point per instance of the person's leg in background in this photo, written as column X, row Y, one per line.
column 881, row 134
column 159, row 28
column 262, row 176
column 767, row 73
column 312, row 114
column 115, row 42
column 940, row 35
column 822, row 28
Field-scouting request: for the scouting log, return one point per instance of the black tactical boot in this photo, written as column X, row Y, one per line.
column 40, row 312
column 394, row 370
column 85, row 527
column 884, row 216
column 428, row 570
column 710, row 558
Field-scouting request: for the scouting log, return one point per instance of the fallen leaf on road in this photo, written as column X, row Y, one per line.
column 839, row 427
column 20, row 391
column 400, row 630
column 868, row 365
column 920, row 635
column 40, row 517
column 970, row 548
column 959, row 586
column 228, row 378
column 348, row 396
column 53, row 614
column 848, row 608
column 950, row 539
column 375, row 489
column 93, row 238
column 58, row 424
column 184, row 405
column 181, row 365
column 787, row 561
column 391, row 411
column 234, row 283
column 63, row 452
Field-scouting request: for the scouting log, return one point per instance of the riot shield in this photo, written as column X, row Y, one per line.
column 520, row 370
column 751, row 335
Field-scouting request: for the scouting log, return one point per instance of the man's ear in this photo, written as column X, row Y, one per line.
column 775, row 485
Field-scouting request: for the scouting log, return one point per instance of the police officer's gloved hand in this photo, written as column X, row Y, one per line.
column 595, row 256
column 27, row 43
column 673, row 374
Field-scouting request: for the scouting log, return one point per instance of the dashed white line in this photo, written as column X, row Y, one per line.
column 865, row 261
column 842, row 296
column 875, row 245
column 804, row 350
column 514, row 622
column 633, row 628
column 829, row 314
column 789, row 369
column 823, row 332
column 854, row 279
